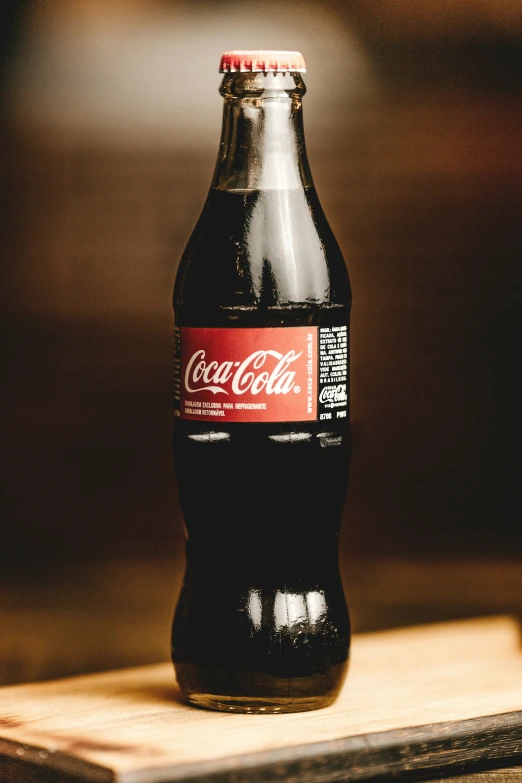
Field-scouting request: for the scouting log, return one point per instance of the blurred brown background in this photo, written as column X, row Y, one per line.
column 110, row 125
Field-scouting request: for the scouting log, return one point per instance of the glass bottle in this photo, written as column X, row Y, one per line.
column 261, row 433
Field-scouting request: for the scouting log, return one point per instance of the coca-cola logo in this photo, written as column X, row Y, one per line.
column 247, row 375
column 333, row 396
column 262, row 371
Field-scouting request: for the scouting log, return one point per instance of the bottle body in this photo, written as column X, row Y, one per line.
column 262, row 450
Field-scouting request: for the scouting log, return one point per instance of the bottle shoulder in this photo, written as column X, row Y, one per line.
column 261, row 250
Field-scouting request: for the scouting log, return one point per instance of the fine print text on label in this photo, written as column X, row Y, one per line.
column 333, row 372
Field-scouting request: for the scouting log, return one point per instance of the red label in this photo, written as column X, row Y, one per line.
column 248, row 374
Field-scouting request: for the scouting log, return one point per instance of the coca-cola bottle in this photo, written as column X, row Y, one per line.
column 261, row 432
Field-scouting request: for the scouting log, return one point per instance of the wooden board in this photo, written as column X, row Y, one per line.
column 431, row 698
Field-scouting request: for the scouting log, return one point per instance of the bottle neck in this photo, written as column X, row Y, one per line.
column 262, row 141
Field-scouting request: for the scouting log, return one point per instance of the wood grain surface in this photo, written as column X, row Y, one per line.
column 423, row 700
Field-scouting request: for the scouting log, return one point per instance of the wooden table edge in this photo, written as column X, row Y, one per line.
column 475, row 744
column 33, row 762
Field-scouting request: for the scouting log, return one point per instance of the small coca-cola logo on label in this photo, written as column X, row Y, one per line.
column 249, row 374
column 333, row 396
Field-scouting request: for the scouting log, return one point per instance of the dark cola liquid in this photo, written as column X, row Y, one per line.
column 262, row 624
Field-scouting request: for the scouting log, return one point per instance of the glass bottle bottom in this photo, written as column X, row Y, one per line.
column 229, row 690
column 273, row 706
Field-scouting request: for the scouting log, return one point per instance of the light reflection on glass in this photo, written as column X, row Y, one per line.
column 291, row 437
column 255, row 608
column 298, row 608
column 205, row 437
column 316, row 605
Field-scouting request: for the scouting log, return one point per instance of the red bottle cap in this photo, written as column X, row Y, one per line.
column 262, row 60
